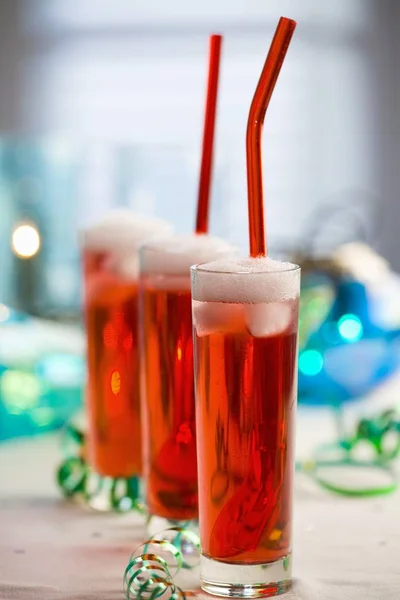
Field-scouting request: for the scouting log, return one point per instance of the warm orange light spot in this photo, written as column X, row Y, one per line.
column 115, row 382
column 110, row 336
column 276, row 534
column 179, row 353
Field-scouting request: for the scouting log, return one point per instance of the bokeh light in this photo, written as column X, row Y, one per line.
column 350, row 328
column 25, row 240
column 20, row 391
column 4, row 313
column 311, row 362
column 61, row 370
column 43, row 416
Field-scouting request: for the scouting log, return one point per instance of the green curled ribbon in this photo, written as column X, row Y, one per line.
column 154, row 564
column 77, row 480
column 124, row 494
column 382, row 432
column 147, row 574
column 381, row 435
column 72, row 474
column 316, row 470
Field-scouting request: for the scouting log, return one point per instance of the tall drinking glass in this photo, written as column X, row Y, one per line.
column 168, row 408
column 111, row 270
column 245, row 321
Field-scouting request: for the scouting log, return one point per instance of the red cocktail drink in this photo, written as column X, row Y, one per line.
column 245, row 315
column 110, row 254
column 168, row 389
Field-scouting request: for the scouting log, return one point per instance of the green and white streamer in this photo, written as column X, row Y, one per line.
column 153, row 565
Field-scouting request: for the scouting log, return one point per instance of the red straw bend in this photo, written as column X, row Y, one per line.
column 259, row 105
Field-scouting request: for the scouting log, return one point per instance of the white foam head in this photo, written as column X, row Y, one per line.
column 120, row 234
column 122, row 230
column 174, row 255
column 246, row 280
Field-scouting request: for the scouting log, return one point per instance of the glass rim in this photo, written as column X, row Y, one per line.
column 155, row 245
column 165, row 274
column 199, row 269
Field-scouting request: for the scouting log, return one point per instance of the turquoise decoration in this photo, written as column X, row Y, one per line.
column 41, row 377
column 153, row 565
column 381, row 435
column 77, row 481
column 347, row 346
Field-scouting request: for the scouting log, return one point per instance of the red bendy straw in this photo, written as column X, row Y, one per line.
column 208, row 134
column 258, row 108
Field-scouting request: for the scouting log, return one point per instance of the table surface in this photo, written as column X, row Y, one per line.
column 347, row 549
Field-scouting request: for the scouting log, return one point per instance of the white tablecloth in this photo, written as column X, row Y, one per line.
column 344, row 549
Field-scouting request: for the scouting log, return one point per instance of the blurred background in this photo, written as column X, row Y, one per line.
column 101, row 105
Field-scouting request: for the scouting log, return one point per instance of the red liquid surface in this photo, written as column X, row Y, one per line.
column 113, row 370
column 246, row 402
column 168, row 398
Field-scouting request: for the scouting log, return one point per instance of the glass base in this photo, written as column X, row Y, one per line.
column 156, row 524
column 232, row 580
column 114, row 494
